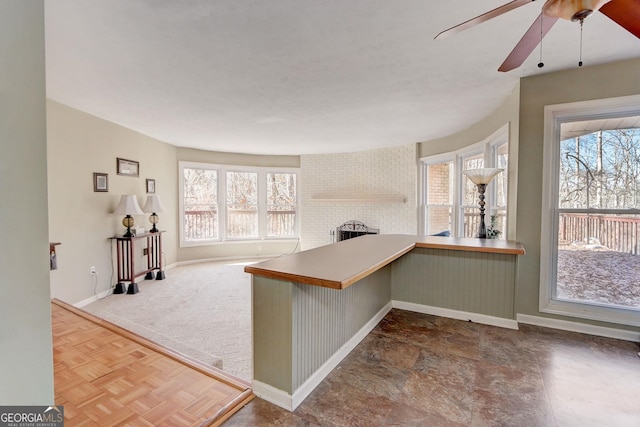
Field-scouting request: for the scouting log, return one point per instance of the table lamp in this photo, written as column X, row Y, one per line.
column 152, row 206
column 128, row 206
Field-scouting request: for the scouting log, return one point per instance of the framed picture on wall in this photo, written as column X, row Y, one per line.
column 100, row 182
column 151, row 186
column 128, row 167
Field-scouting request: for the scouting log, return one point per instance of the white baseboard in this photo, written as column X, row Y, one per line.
column 225, row 259
column 94, row 298
column 583, row 328
column 103, row 294
column 456, row 314
column 291, row 402
column 272, row 395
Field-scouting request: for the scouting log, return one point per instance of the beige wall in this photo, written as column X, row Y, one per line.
column 254, row 160
column 26, row 371
column 507, row 113
column 79, row 145
column 597, row 82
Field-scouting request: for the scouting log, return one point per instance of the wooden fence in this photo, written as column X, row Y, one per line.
column 619, row 234
column 202, row 224
column 472, row 223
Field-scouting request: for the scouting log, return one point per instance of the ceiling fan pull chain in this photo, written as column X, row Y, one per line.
column 541, row 64
column 581, row 24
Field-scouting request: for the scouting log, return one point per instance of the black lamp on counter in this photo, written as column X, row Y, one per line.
column 481, row 178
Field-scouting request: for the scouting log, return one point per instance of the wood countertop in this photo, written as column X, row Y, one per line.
column 341, row 264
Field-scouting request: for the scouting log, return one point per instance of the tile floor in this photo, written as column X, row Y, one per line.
column 421, row 370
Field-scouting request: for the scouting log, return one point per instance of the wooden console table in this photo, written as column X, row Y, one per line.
column 126, row 261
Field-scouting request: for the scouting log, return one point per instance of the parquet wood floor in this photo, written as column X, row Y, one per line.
column 107, row 376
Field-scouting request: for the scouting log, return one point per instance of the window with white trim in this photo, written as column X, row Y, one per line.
column 242, row 205
column 199, row 208
column 450, row 199
column 439, row 180
column 282, row 202
column 221, row 203
column 589, row 264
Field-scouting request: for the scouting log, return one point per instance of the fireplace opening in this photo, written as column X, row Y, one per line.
column 353, row 228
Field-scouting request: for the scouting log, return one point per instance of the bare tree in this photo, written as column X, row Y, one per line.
column 601, row 170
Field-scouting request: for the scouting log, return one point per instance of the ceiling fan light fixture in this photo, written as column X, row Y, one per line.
column 625, row 13
column 581, row 15
column 572, row 10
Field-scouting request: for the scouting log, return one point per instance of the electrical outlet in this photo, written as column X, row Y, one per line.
column 92, row 270
column 145, row 251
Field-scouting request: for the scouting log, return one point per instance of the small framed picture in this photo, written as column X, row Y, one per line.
column 128, row 167
column 151, row 186
column 100, row 182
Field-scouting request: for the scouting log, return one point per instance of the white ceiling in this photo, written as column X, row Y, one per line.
column 299, row 76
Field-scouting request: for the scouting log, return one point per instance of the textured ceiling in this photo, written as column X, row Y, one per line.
column 299, row 76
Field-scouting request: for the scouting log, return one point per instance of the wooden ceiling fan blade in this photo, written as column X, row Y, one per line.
column 528, row 42
column 625, row 13
column 482, row 18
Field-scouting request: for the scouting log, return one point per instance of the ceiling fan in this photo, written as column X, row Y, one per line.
column 625, row 13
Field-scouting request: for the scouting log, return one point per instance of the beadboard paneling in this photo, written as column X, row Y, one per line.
column 297, row 327
column 325, row 319
column 458, row 280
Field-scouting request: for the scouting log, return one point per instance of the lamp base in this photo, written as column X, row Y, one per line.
column 482, row 231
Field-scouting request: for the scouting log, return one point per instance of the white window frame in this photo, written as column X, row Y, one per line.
column 222, row 202
column 487, row 147
column 424, row 164
column 261, row 207
column 503, row 139
column 554, row 117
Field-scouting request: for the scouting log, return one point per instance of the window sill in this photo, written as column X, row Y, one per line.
column 620, row 316
column 239, row 241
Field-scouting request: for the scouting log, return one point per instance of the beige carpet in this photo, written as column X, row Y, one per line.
column 202, row 310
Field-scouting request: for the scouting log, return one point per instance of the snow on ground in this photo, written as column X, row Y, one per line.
column 594, row 273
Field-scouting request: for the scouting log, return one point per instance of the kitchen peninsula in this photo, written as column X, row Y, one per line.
column 310, row 309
